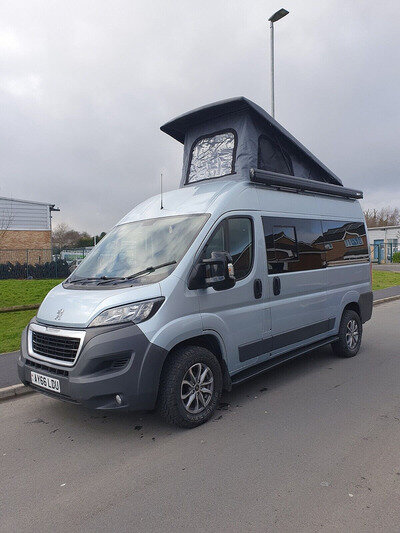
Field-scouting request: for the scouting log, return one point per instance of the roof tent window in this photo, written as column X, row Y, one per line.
column 212, row 156
column 271, row 156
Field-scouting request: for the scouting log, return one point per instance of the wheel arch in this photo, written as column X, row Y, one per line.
column 353, row 306
column 211, row 342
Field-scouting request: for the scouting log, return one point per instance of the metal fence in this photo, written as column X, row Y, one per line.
column 383, row 252
column 23, row 256
column 39, row 263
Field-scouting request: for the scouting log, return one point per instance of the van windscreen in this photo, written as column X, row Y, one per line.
column 136, row 246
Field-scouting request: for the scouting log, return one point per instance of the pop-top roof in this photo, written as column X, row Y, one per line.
column 179, row 127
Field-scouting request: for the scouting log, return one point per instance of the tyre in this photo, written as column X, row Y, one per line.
column 350, row 333
column 190, row 387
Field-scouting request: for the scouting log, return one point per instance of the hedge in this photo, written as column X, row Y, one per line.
column 53, row 269
column 396, row 257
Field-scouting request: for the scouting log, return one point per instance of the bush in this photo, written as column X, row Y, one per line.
column 396, row 257
column 52, row 269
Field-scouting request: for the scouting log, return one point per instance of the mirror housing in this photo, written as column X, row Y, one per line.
column 216, row 272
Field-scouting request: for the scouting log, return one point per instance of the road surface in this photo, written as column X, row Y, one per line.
column 313, row 445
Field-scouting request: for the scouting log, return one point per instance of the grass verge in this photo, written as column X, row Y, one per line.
column 11, row 326
column 382, row 279
column 25, row 291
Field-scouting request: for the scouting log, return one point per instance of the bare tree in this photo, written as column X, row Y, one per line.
column 387, row 216
column 6, row 218
column 66, row 237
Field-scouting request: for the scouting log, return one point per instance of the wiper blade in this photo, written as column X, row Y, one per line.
column 147, row 270
column 77, row 280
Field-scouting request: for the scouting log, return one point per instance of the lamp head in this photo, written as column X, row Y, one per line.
column 278, row 15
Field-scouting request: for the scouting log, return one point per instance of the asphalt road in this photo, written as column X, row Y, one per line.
column 313, row 445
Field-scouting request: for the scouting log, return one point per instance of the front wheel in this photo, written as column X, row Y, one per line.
column 190, row 387
column 350, row 333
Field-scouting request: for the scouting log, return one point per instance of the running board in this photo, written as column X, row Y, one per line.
column 252, row 371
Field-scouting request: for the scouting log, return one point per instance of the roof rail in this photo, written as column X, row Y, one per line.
column 272, row 179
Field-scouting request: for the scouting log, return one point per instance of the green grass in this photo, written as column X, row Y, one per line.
column 382, row 279
column 11, row 326
column 25, row 291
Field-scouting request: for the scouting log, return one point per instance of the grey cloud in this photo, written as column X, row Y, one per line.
column 84, row 87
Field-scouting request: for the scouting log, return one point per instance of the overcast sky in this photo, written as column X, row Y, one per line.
column 85, row 86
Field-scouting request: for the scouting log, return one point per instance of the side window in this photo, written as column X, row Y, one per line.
column 240, row 245
column 212, row 156
column 311, row 246
column 281, row 245
column 293, row 244
column 345, row 242
column 235, row 236
column 216, row 243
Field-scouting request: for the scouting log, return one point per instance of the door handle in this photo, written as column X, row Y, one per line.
column 276, row 285
column 257, row 288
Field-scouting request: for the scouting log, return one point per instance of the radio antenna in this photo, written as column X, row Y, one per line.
column 161, row 199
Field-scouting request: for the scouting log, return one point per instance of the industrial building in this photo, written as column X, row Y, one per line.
column 25, row 230
column 384, row 241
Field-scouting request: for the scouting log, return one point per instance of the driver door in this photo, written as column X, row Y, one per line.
column 236, row 314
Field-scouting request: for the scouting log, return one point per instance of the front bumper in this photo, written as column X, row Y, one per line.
column 113, row 360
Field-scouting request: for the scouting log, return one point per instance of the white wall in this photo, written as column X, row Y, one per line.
column 23, row 215
column 384, row 233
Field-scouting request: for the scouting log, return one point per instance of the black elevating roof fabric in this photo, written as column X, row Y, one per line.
column 278, row 150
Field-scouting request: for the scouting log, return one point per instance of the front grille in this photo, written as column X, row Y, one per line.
column 39, row 366
column 55, row 347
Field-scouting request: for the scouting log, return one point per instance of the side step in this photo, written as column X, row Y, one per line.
column 252, row 371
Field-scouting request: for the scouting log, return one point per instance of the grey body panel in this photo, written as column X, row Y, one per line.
column 92, row 381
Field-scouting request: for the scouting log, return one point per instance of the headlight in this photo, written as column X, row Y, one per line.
column 137, row 312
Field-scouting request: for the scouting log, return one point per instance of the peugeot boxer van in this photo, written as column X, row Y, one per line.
column 261, row 255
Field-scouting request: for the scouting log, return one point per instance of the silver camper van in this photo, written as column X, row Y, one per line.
column 261, row 255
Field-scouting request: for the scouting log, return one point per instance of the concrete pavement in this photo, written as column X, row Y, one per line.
column 8, row 369
column 389, row 267
column 310, row 446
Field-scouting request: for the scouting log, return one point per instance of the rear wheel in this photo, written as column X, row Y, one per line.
column 190, row 387
column 350, row 334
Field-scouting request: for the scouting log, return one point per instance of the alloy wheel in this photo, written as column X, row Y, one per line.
column 197, row 388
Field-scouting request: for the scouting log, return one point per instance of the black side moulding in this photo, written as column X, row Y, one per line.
column 272, row 179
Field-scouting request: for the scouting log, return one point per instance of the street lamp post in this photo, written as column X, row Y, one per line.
column 275, row 17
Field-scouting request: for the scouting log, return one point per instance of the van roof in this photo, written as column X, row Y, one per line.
column 180, row 126
column 221, row 196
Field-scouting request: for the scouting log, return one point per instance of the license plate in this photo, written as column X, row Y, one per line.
column 45, row 382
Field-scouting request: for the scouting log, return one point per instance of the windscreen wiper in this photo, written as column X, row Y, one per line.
column 147, row 270
column 77, row 280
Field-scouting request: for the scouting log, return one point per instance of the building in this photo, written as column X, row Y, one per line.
column 25, row 231
column 384, row 241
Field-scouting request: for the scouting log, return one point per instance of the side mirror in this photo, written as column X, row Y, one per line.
column 216, row 272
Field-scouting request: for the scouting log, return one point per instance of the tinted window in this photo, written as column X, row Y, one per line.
column 311, row 249
column 235, row 236
column 344, row 241
column 293, row 244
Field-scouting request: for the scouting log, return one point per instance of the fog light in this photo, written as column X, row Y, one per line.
column 118, row 399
